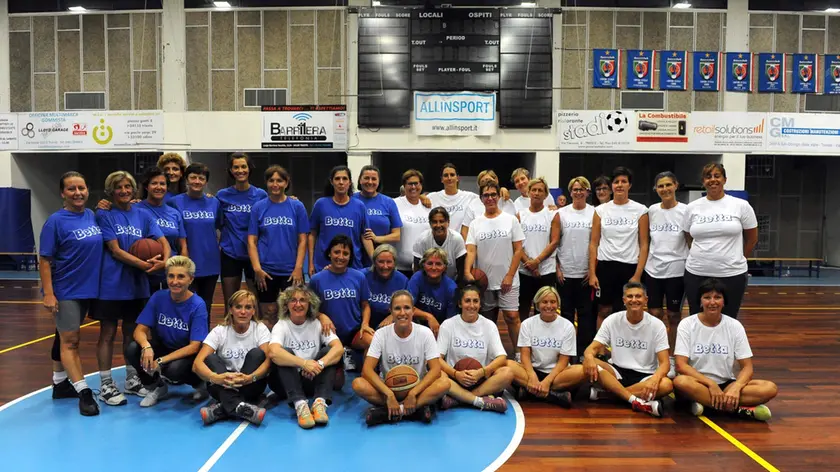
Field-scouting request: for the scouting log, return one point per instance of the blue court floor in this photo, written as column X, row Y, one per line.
column 40, row 433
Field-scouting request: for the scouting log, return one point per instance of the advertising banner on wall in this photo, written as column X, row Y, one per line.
column 712, row 131
column 832, row 74
column 806, row 76
column 739, row 72
column 672, row 73
column 304, row 126
column 606, row 68
column 89, row 130
column 802, row 133
column 662, row 130
column 8, row 132
column 770, row 74
column 640, row 68
column 706, row 71
column 594, row 130
column 454, row 114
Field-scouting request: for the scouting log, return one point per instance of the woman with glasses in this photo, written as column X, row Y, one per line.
column 603, row 190
column 415, row 219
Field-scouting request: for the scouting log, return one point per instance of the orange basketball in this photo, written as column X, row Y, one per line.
column 145, row 249
column 401, row 378
column 361, row 341
column 468, row 363
column 480, row 278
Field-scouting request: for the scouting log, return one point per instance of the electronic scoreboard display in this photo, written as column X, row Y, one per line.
column 503, row 50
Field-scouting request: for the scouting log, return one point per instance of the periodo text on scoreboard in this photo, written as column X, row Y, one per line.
column 455, row 106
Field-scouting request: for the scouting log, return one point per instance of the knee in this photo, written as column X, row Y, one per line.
column 681, row 382
column 255, row 355
column 665, row 386
column 70, row 341
column 504, row 373
column 360, row 386
column 769, row 389
column 132, row 350
column 441, row 385
column 511, row 317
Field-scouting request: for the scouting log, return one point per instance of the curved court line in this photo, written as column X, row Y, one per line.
column 515, row 440
column 749, row 452
column 36, row 392
column 27, row 343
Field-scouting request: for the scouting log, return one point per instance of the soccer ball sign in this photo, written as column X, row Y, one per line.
column 616, row 121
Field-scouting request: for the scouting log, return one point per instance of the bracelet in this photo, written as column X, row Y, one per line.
column 254, row 379
column 147, row 347
column 483, row 372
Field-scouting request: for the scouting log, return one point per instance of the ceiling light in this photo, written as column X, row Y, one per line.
column 832, row 10
column 529, row 4
column 376, row 3
column 222, row 4
column 682, row 5
column 77, row 9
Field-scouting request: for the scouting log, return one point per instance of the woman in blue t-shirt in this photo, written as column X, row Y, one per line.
column 71, row 259
column 383, row 217
column 124, row 285
column 173, row 167
column 277, row 242
column 237, row 201
column 202, row 216
column 169, row 334
column 344, row 295
column 336, row 213
column 383, row 279
column 168, row 219
column 433, row 290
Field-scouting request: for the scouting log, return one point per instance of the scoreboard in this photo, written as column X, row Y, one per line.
column 507, row 51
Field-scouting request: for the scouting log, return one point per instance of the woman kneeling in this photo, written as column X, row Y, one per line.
column 475, row 337
column 546, row 343
column 305, row 359
column 234, row 360
column 707, row 346
column 169, row 333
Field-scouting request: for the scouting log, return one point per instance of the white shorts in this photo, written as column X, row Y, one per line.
column 505, row 301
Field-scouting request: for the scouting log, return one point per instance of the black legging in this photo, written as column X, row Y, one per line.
column 298, row 388
column 735, row 288
column 229, row 398
column 205, row 287
column 577, row 295
column 178, row 371
column 528, row 287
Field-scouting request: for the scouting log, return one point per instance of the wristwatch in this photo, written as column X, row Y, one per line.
column 321, row 363
column 159, row 361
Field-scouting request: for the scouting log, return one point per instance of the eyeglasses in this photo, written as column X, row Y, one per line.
column 578, row 190
column 602, row 189
column 489, row 196
column 412, row 184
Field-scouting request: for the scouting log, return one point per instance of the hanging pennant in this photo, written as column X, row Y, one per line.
column 672, row 70
column 806, row 78
column 771, row 75
column 706, row 71
column 832, row 74
column 640, row 68
column 606, row 68
column 738, row 69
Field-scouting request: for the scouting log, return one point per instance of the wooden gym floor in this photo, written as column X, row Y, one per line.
column 794, row 333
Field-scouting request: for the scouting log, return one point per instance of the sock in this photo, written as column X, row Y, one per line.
column 59, row 377
column 299, row 403
column 632, row 398
column 105, row 376
column 80, row 385
column 130, row 371
column 478, row 402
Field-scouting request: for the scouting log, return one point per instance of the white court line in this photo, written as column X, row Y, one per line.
column 224, row 447
column 515, row 440
column 36, row 392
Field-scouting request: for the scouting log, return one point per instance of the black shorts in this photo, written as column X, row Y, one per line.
column 671, row 289
column 725, row 384
column 612, row 276
column 273, row 287
column 234, row 267
column 629, row 376
column 113, row 310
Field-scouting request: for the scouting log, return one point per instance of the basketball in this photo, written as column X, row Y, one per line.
column 145, row 249
column 401, row 378
column 361, row 340
column 480, row 278
column 468, row 363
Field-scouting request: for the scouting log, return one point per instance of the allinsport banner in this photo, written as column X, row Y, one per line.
column 454, row 114
column 304, row 126
column 89, row 130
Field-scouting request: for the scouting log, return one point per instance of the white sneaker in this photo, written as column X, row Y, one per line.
column 111, row 395
column 696, row 409
column 518, row 357
column 672, row 372
column 133, row 386
column 595, row 393
column 348, row 359
column 156, row 394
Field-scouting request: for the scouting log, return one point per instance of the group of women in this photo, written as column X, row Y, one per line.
column 391, row 282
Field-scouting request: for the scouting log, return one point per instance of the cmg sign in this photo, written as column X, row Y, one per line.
column 803, row 133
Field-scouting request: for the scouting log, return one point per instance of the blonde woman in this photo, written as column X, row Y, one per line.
column 521, row 179
column 305, row 359
column 234, row 360
column 174, row 167
column 541, row 227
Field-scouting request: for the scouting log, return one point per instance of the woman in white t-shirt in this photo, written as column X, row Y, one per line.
column 234, row 360
column 441, row 236
column 305, row 359
column 708, row 346
column 665, row 266
column 721, row 231
column 521, row 179
column 618, row 247
column 454, row 200
column 415, row 219
column 472, row 336
column 494, row 245
column 408, row 344
column 573, row 262
column 541, row 227
column 547, row 343
column 476, row 207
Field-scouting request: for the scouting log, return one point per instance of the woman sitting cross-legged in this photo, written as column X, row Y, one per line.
column 234, row 360
column 305, row 359
column 547, row 342
column 472, row 336
column 169, row 333
column 707, row 347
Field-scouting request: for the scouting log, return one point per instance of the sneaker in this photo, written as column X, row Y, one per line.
column 672, row 372
column 492, row 403
column 696, row 409
column 200, row 393
column 563, row 399
column 64, row 389
column 111, row 395
column 595, row 394
column 423, row 414
column 518, row 357
column 319, row 411
column 758, row 412
column 133, row 386
column 251, row 413
column 349, row 363
column 651, row 407
column 87, row 404
column 211, row 414
column 338, row 382
column 377, row 415
column 155, row 395
column 448, row 402
column 304, row 416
